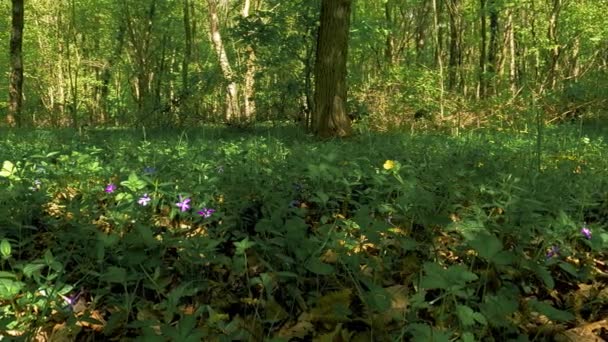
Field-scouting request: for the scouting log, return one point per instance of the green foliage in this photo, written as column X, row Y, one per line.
column 424, row 238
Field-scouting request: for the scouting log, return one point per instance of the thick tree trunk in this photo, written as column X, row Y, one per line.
column 233, row 111
column 15, row 90
column 330, row 115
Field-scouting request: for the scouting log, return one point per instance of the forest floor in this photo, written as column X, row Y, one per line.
column 273, row 235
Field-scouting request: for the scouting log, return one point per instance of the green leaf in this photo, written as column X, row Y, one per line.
column 543, row 273
column 467, row 337
column 4, row 274
column 486, row 245
column 433, row 277
column 569, row 268
column 9, row 288
column 146, row 235
column 498, row 309
column 30, row 269
column 551, row 312
column 465, row 315
column 243, row 246
column 134, row 183
column 425, row 333
column 378, row 298
column 315, row 266
column 8, row 169
column 5, row 249
column 115, row 275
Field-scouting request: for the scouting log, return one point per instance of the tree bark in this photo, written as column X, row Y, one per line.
column 233, row 111
column 512, row 53
column 481, row 88
column 455, row 42
column 493, row 49
column 330, row 117
column 15, row 90
column 555, row 50
column 249, row 86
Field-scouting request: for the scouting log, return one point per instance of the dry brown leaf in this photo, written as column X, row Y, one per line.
column 298, row 330
column 585, row 333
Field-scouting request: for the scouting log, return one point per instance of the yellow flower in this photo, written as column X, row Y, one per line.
column 389, row 164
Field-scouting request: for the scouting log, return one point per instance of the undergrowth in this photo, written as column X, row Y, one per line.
column 271, row 235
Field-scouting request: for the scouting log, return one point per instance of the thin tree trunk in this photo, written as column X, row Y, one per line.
column 330, row 117
column 187, row 47
column 233, row 112
column 493, row 49
column 512, row 62
column 249, row 88
column 555, row 50
column 389, row 50
column 455, row 40
column 15, row 90
column 481, row 88
column 438, row 55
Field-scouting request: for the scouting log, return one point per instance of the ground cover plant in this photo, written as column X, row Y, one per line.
column 219, row 236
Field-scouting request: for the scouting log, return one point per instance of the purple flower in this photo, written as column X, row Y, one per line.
column 110, row 188
column 144, row 200
column 183, row 204
column 206, row 212
column 586, row 232
column 554, row 251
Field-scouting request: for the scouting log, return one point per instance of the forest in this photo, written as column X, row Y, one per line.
column 304, row 170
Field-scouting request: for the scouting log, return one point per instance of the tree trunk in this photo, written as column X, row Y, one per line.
column 455, row 42
column 481, row 89
column 512, row 52
column 233, row 111
column 555, row 50
column 249, row 86
column 438, row 54
column 493, row 50
column 15, row 90
column 330, row 117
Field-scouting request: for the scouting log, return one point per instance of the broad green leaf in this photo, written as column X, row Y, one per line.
column 8, row 169
column 569, row 268
column 315, row 266
column 378, row 298
column 467, row 337
column 4, row 274
column 486, row 245
column 426, row 333
column 551, row 312
column 465, row 315
column 243, row 245
column 434, row 277
column 498, row 309
column 133, row 183
column 115, row 275
column 9, row 288
column 5, row 249
column 146, row 235
column 543, row 273
column 32, row 268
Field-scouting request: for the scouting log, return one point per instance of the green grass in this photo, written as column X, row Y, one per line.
column 309, row 239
